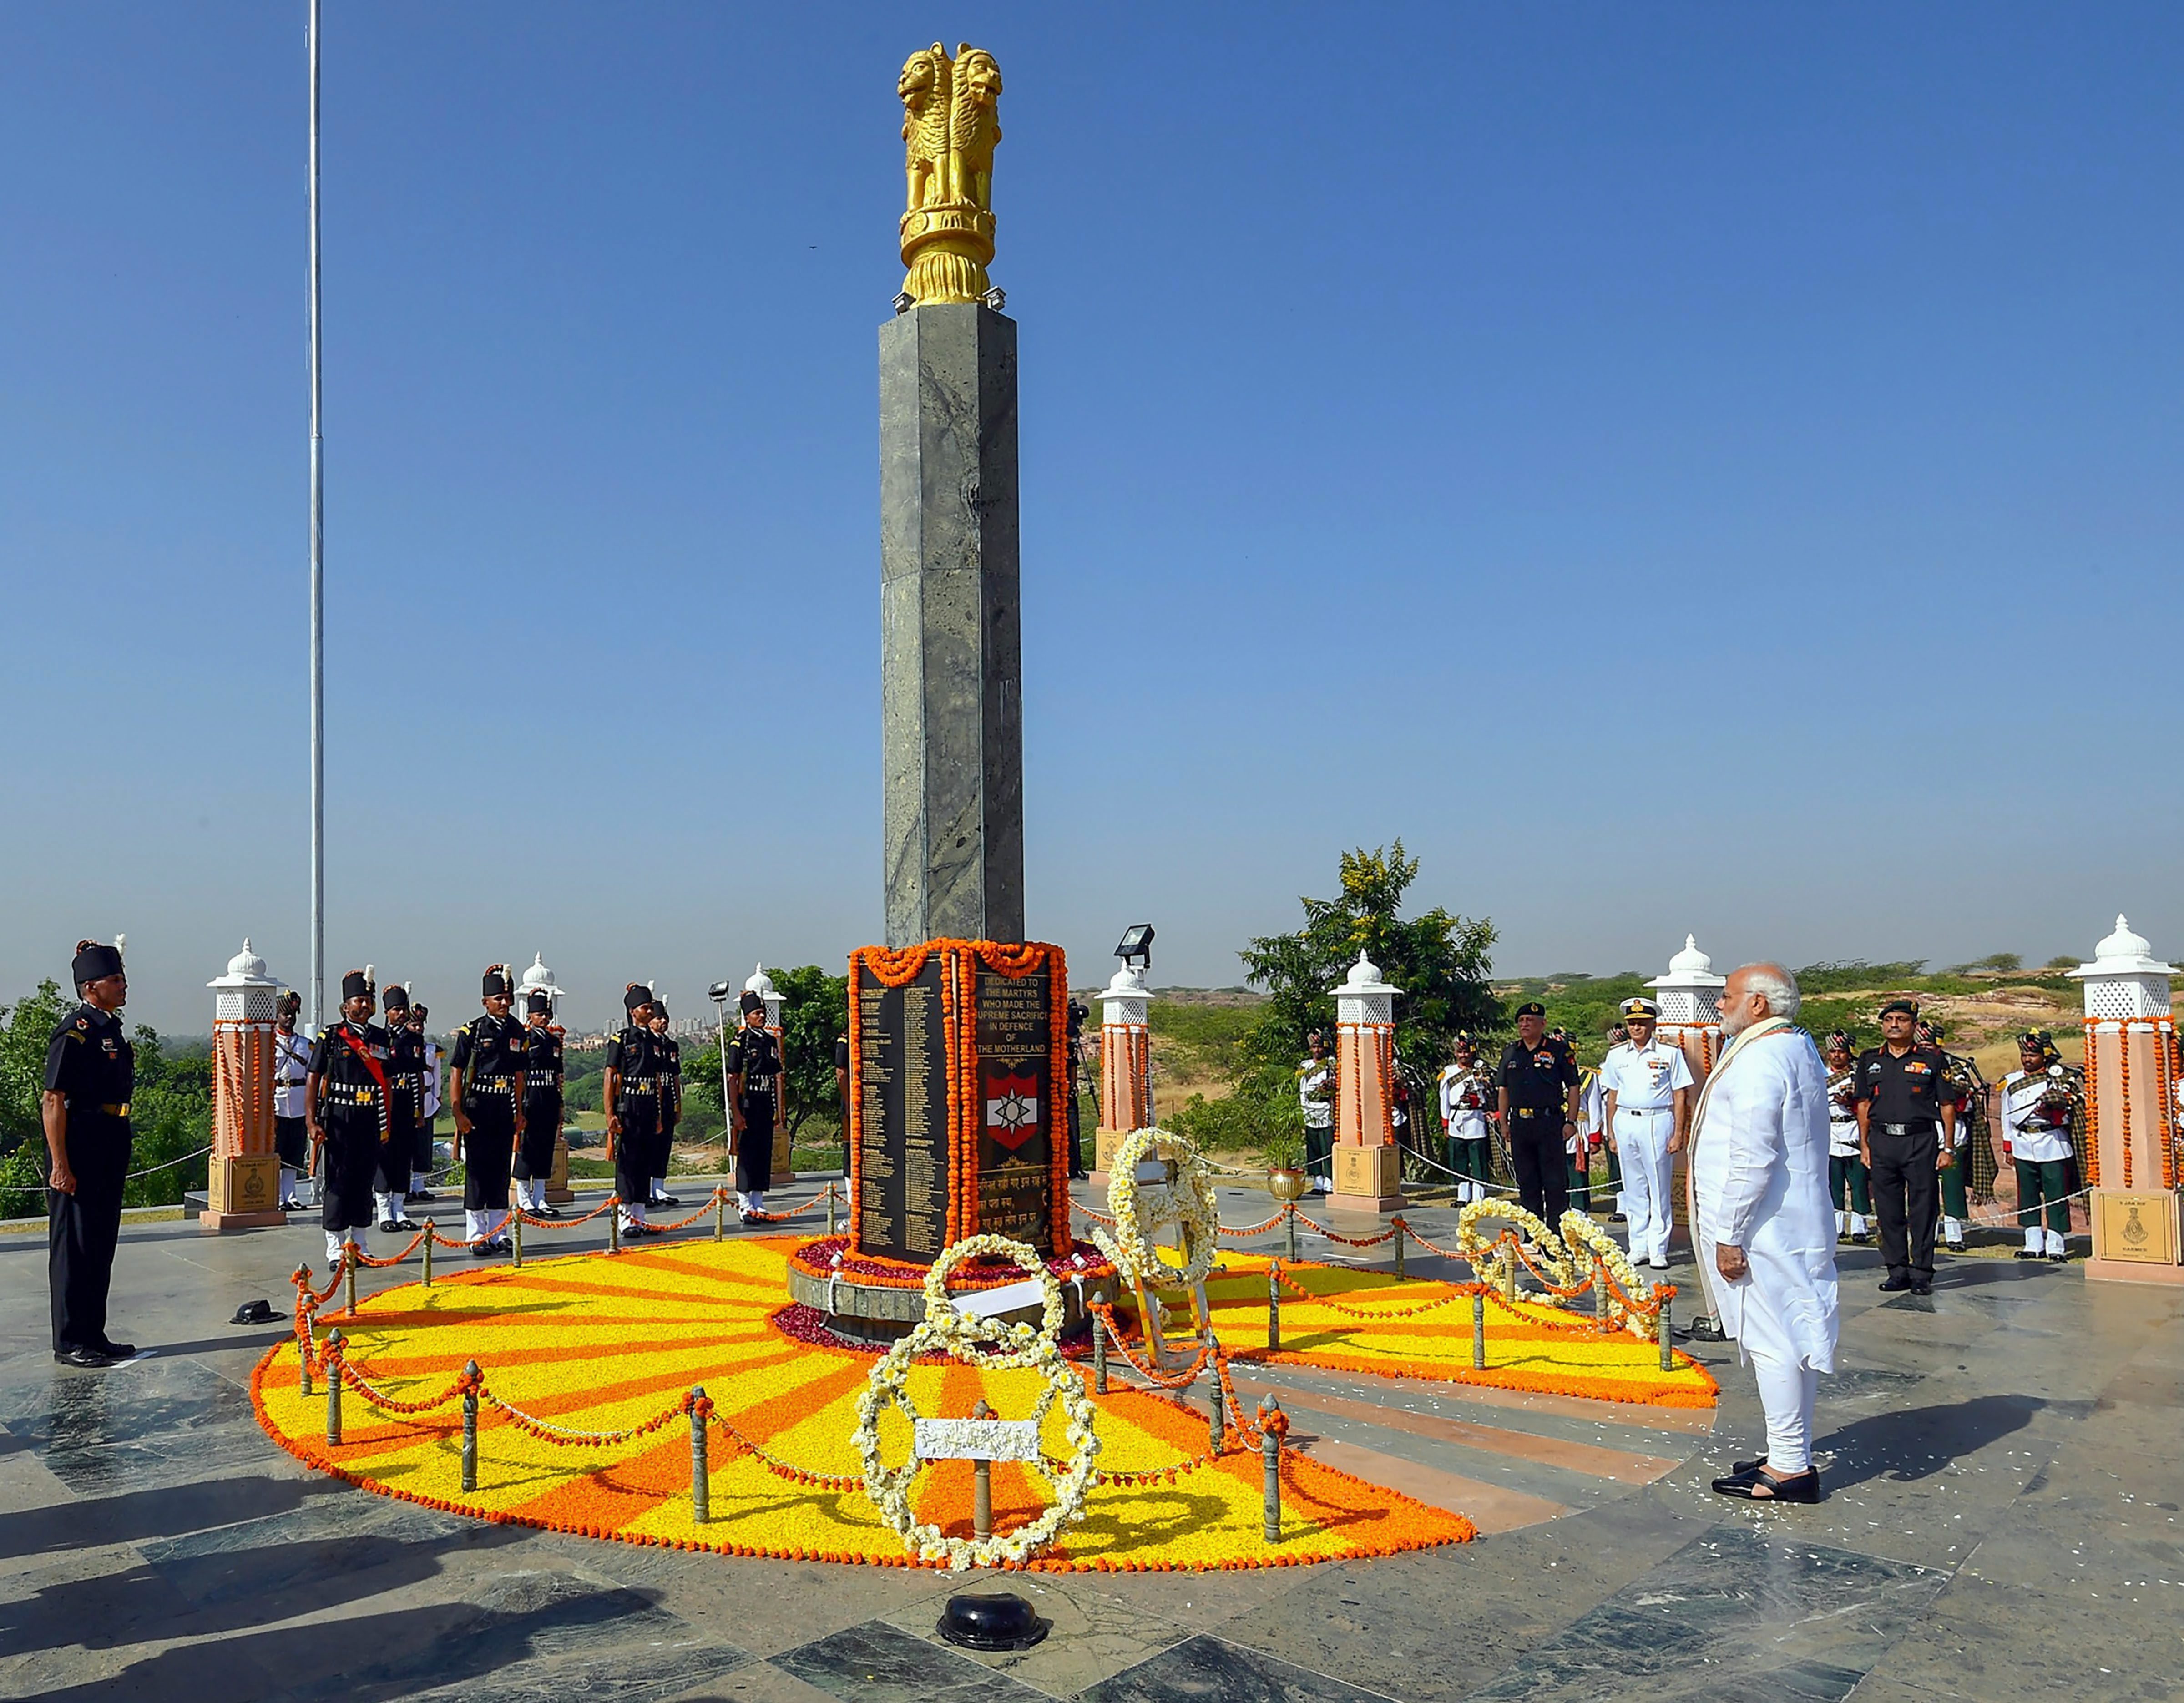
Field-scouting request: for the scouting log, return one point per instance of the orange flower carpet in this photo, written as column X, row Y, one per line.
column 1356, row 1320
column 582, row 1426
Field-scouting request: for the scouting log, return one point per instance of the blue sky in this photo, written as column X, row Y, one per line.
column 1703, row 468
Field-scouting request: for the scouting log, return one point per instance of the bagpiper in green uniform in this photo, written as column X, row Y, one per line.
column 2042, row 1109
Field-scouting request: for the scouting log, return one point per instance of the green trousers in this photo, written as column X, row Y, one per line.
column 2047, row 1180
column 1580, row 1182
column 1472, row 1160
column 1847, row 1184
column 1952, row 1186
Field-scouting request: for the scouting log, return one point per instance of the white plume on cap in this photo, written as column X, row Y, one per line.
column 370, row 977
column 121, row 944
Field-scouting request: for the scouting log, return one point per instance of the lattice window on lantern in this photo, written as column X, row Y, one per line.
column 2112, row 998
column 1371, row 1007
column 1690, row 1005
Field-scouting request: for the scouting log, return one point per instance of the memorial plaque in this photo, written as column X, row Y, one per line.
column 902, row 1087
column 1015, row 1109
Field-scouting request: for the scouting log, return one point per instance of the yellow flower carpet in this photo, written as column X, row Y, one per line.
column 594, row 1344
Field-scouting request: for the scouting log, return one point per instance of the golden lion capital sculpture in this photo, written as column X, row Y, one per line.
column 950, row 122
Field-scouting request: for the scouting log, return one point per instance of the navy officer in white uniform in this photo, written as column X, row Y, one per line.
column 1648, row 1085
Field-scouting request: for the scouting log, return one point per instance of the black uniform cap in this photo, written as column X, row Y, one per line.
column 1532, row 1008
column 396, row 1000
column 95, row 961
column 635, row 995
column 750, row 1002
column 659, row 1006
column 540, row 1000
column 1909, row 1008
column 355, row 985
column 496, row 980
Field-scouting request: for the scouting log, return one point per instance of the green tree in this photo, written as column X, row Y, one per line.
column 26, row 1028
column 815, row 1012
column 171, row 1116
column 1439, row 960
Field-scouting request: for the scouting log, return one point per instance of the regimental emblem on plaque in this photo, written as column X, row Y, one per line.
column 1013, row 1110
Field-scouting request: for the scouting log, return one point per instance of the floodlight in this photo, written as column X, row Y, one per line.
column 717, row 992
column 1137, row 945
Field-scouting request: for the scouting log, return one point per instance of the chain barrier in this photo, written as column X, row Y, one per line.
column 537, row 1222
column 1105, row 1314
column 376, row 1264
column 1454, row 1291
column 168, row 1164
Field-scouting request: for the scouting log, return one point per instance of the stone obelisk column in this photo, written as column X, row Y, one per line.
column 2130, row 1100
column 951, row 673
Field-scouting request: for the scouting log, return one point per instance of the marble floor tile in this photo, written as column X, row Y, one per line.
column 878, row 1663
column 1090, row 1638
column 1208, row 1670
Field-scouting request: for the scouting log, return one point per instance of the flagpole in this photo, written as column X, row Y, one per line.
column 318, row 588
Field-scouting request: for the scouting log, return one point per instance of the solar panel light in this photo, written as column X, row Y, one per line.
column 1137, row 945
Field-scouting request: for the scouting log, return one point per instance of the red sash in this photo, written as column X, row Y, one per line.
column 378, row 1075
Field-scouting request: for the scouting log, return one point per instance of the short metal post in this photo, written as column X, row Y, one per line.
column 1479, row 1330
column 429, row 1234
column 334, row 1386
column 982, row 1493
column 720, row 1213
column 831, row 1199
column 348, row 1272
column 1665, row 1330
column 515, row 1235
column 470, row 1426
column 1292, row 1215
column 1399, row 1251
column 701, row 1487
column 304, row 1349
column 614, row 1228
column 1099, row 1348
column 1600, row 1293
column 1270, row 1453
column 1509, row 1276
column 1274, row 1307
column 1217, row 1418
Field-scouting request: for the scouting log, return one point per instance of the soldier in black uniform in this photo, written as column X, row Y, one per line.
column 405, row 1095
column 428, row 1109
column 346, row 1095
column 1906, row 1119
column 542, row 1074
column 1537, row 1108
column 632, row 1097
column 91, row 1072
column 669, row 1053
column 754, row 1070
column 485, row 1077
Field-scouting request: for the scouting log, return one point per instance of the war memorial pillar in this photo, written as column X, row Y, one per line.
column 958, row 1026
column 1368, row 1164
column 2131, row 1110
column 1126, row 1066
column 243, row 1186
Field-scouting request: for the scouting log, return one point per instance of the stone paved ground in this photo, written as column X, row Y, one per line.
column 2003, row 1470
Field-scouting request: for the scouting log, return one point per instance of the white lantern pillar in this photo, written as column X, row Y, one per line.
column 785, row 1166
column 244, row 1176
column 2131, row 1102
column 1368, row 1166
column 1126, row 1067
column 1690, row 1019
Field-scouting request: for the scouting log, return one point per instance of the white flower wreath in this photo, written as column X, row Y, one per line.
column 1189, row 1202
column 1581, row 1232
column 984, row 1342
column 1491, row 1260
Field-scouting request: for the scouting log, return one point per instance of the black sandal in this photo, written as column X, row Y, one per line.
column 1755, row 1486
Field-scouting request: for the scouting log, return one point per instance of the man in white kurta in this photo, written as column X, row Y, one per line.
column 1759, row 1168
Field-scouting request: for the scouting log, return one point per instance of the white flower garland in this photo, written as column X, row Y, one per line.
column 980, row 1342
column 1190, row 1203
column 1491, row 1261
column 1581, row 1232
